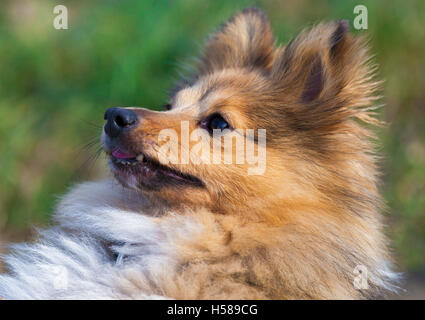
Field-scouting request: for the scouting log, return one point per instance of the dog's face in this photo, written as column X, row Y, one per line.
column 229, row 101
column 285, row 103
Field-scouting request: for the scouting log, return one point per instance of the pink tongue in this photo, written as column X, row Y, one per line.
column 121, row 155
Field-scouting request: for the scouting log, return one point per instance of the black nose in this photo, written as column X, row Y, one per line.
column 117, row 120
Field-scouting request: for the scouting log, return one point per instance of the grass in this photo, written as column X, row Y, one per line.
column 56, row 84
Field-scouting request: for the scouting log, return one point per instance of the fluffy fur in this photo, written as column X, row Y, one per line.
column 296, row 232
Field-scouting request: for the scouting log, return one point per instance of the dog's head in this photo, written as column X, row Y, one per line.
column 289, row 112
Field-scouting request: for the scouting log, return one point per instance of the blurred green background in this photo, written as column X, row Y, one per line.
column 56, row 84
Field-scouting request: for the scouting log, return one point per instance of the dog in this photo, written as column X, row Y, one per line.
column 309, row 226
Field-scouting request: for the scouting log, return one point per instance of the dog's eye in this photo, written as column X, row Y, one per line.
column 217, row 122
column 213, row 122
column 167, row 106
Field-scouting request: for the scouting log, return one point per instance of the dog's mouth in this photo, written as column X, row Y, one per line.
column 143, row 171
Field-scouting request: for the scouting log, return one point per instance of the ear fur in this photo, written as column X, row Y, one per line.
column 328, row 69
column 244, row 41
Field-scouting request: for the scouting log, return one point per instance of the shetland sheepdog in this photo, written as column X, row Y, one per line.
column 288, row 209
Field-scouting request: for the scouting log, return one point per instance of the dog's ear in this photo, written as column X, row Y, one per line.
column 327, row 69
column 244, row 41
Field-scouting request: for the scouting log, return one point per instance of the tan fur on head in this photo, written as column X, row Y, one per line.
column 301, row 229
column 298, row 231
column 245, row 41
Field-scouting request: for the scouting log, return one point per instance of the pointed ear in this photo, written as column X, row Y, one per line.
column 326, row 64
column 244, row 41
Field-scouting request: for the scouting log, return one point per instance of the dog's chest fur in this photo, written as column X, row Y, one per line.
column 101, row 244
column 104, row 246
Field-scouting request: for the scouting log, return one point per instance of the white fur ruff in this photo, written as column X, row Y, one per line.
column 100, row 240
column 108, row 243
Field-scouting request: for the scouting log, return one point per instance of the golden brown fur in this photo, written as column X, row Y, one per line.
column 299, row 230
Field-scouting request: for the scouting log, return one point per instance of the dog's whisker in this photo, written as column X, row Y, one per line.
column 89, row 162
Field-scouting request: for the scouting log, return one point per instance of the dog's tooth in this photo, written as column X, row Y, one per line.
column 140, row 157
